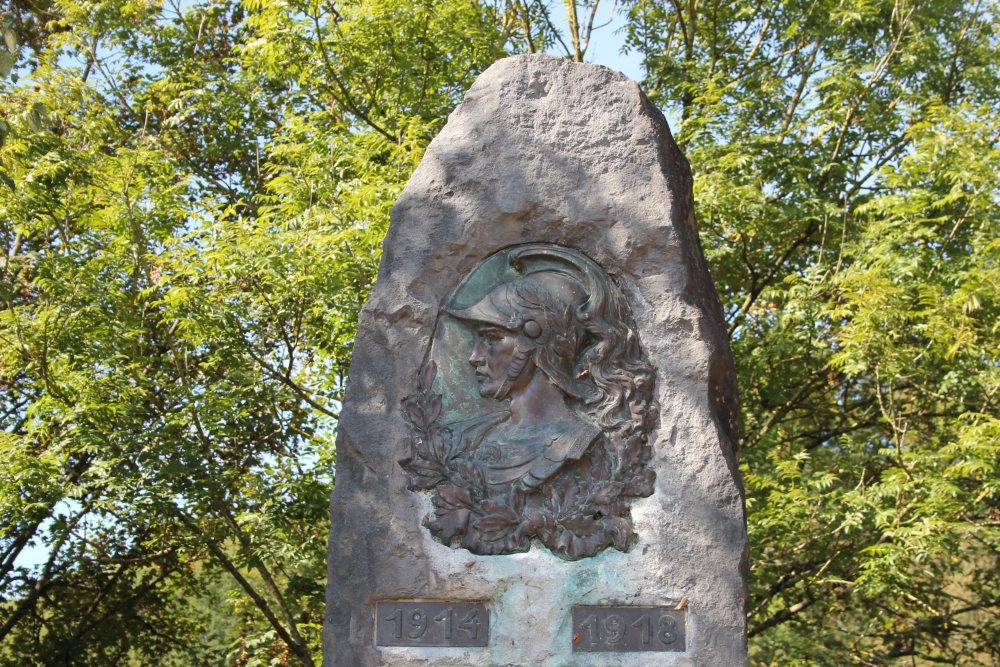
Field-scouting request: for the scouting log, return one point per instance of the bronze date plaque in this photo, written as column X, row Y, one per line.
column 628, row 629
column 416, row 623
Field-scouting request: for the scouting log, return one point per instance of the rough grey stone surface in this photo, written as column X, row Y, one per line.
column 543, row 149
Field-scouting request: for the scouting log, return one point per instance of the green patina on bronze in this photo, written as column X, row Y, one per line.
column 534, row 408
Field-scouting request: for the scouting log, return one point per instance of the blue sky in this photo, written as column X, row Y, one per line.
column 607, row 41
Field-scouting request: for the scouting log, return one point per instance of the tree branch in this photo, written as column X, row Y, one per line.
column 781, row 617
column 299, row 649
column 347, row 103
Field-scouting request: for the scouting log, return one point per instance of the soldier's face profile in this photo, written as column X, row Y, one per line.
column 491, row 356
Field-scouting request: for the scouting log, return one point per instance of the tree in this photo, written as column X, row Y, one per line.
column 192, row 197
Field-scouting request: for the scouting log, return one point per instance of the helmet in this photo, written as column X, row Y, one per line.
column 547, row 304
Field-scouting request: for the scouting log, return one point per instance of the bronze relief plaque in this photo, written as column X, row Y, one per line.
column 532, row 413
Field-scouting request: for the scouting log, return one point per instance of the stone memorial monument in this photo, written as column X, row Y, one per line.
column 536, row 457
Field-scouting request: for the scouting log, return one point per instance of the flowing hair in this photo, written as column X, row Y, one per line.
column 591, row 349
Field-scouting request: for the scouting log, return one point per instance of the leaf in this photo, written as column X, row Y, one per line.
column 415, row 413
column 470, row 475
column 606, row 493
column 493, row 522
column 563, row 539
column 448, row 525
column 433, row 408
column 565, row 490
column 498, row 509
column 427, row 375
column 494, row 527
column 36, row 115
column 6, row 63
column 581, row 526
column 641, row 484
column 456, row 496
column 424, row 474
column 620, row 530
column 452, row 446
column 439, row 448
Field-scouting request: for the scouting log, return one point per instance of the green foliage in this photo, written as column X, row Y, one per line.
column 192, row 198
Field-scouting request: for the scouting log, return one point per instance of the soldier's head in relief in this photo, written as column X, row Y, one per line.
column 556, row 342
column 534, row 322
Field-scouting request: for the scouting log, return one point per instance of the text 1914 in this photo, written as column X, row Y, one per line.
column 628, row 629
column 414, row 623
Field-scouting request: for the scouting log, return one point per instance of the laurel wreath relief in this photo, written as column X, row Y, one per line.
column 578, row 512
